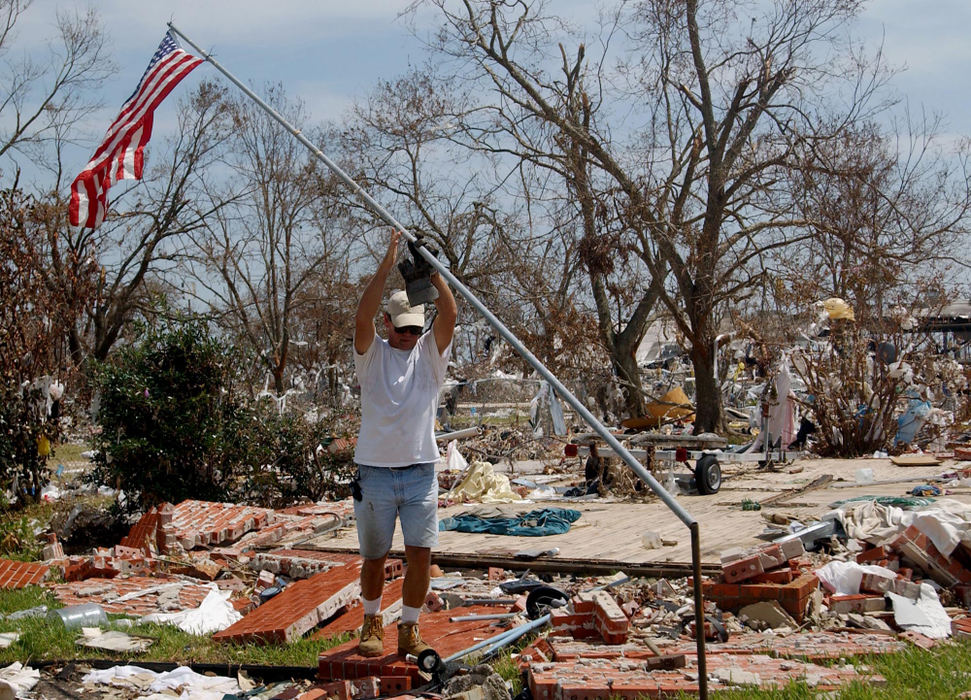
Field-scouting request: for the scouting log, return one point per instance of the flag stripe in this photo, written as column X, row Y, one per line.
column 121, row 153
column 167, row 78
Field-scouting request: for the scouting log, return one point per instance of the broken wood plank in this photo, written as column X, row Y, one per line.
column 817, row 483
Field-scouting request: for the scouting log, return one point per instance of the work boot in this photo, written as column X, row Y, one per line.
column 372, row 637
column 409, row 639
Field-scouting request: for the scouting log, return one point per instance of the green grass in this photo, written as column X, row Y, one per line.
column 41, row 640
column 67, row 452
column 914, row 674
column 942, row 673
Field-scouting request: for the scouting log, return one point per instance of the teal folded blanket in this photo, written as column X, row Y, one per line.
column 535, row 523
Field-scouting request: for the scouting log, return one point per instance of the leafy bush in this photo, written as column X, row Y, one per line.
column 176, row 424
column 288, row 462
column 165, row 405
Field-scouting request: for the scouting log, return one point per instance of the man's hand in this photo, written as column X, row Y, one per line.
column 421, row 264
column 417, row 275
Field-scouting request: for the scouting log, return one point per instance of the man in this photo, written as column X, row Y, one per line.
column 396, row 451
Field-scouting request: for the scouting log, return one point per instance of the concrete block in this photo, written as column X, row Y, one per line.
column 859, row 603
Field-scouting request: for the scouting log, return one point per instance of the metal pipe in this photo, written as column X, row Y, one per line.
column 484, row 616
column 699, row 612
column 519, row 631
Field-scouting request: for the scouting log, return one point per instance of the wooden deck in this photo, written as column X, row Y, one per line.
column 609, row 532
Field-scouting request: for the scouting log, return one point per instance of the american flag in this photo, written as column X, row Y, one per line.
column 119, row 157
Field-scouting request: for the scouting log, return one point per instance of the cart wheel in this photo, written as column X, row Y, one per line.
column 429, row 661
column 708, row 474
column 541, row 599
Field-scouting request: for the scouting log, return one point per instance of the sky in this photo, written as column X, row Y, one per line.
column 330, row 52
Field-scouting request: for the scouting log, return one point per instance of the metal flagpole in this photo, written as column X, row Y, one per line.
column 510, row 338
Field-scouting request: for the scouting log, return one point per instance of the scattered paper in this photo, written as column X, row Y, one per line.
column 113, row 641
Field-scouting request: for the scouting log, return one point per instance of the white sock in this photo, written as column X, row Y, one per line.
column 371, row 607
column 409, row 615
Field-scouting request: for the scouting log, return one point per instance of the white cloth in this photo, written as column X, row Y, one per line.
column 399, row 397
column 214, row 614
column 844, row 577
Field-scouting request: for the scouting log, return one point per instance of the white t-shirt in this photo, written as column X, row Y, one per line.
column 399, row 399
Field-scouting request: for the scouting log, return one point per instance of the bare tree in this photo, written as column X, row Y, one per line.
column 889, row 209
column 404, row 140
column 41, row 100
column 720, row 103
column 283, row 236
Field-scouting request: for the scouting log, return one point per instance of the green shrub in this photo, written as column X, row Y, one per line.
column 176, row 424
column 286, row 463
column 165, row 405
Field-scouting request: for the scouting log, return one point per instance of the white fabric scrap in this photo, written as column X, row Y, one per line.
column 214, row 614
column 20, row 678
column 844, row 577
column 946, row 522
column 194, row 685
column 925, row 615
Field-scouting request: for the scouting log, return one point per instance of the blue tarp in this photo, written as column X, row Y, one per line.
column 535, row 523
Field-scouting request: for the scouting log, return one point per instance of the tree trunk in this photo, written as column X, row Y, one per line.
column 625, row 365
column 708, row 408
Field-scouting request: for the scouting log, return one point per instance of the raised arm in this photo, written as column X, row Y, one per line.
column 371, row 298
column 444, row 324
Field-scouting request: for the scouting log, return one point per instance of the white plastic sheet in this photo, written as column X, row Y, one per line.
column 215, row 613
column 844, row 577
column 483, row 485
column 925, row 615
column 19, row 678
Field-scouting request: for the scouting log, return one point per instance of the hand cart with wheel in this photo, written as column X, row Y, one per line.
column 654, row 449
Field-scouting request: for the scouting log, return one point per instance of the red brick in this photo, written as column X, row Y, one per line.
column 298, row 608
column 793, row 596
column 17, row 574
column 352, row 619
column 393, row 685
column 771, row 557
column 786, row 575
column 742, row 569
column 436, row 629
column 874, row 554
column 876, row 583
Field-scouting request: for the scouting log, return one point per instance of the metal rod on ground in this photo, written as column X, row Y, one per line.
column 517, row 631
column 492, row 319
column 487, row 616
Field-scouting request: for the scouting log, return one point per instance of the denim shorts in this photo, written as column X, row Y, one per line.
column 410, row 493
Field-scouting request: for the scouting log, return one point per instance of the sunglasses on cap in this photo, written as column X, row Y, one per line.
column 411, row 330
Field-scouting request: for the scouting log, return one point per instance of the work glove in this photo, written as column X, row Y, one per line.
column 417, row 274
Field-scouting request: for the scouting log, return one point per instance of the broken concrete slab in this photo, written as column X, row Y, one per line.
column 766, row 614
